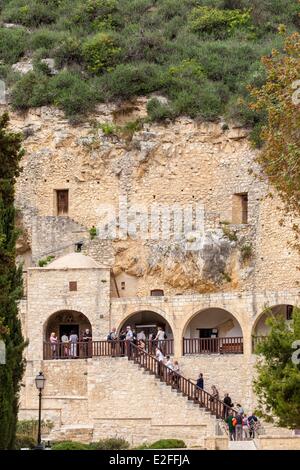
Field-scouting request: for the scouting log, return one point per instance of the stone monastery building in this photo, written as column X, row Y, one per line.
column 211, row 299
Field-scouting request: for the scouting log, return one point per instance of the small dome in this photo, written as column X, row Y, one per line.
column 73, row 261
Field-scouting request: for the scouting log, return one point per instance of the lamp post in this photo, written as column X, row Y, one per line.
column 40, row 384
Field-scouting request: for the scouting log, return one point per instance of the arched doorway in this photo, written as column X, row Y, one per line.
column 213, row 330
column 64, row 324
column 146, row 323
column 261, row 329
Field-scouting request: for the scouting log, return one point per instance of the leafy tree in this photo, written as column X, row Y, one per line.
column 280, row 99
column 10, row 287
column 278, row 381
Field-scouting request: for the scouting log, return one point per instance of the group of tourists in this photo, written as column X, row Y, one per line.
column 71, row 346
column 240, row 426
column 121, row 342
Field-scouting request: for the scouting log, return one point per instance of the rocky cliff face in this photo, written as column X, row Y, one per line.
column 116, row 153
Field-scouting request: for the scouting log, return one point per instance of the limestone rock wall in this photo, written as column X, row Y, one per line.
column 184, row 162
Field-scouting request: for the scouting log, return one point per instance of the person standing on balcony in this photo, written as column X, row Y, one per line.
column 53, row 344
column 160, row 337
column 73, row 344
column 112, row 338
column 87, row 343
column 65, row 345
column 128, row 339
column 141, row 336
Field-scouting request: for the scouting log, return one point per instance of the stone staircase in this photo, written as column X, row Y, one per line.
column 146, row 408
column 125, row 401
column 121, row 399
column 242, row 445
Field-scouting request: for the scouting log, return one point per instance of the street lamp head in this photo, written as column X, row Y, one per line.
column 40, row 381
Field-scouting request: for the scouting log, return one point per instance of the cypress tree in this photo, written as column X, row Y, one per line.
column 10, row 286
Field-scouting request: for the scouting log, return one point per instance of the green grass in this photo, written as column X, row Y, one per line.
column 200, row 54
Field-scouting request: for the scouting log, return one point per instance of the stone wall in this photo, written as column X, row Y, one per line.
column 107, row 397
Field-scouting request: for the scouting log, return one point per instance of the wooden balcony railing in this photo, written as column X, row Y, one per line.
column 79, row 350
column 230, row 345
column 84, row 350
column 257, row 340
column 177, row 381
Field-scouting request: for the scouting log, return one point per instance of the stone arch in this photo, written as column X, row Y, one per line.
column 65, row 321
column 147, row 320
column 215, row 328
column 259, row 328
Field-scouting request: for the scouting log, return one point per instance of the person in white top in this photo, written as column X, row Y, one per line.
column 169, row 363
column 160, row 357
column 129, row 338
column 160, row 337
column 141, row 336
column 170, row 366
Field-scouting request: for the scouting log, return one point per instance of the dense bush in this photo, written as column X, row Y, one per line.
column 23, row 441
column 13, row 44
column 69, row 445
column 31, row 12
column 128, row 80
column 201, row 55
column 113, row 443
column 96, row 14
column 72, row 94
column 165, row 444
column 158, row 111
column 217, row 22
column 68, row 51
column 100, row 52
column 32, row 90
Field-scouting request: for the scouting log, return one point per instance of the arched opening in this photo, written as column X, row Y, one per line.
column 213, row 330
column 69, row 327
column 146, row 325
column 261, row 329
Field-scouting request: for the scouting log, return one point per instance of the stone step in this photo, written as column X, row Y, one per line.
column 241, row 445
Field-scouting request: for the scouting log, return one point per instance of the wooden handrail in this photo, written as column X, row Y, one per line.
column 179, row 382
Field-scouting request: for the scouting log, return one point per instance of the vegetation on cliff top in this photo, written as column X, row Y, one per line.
column 200, row 54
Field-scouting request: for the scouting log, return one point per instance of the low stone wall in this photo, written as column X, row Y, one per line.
column 278, row 443
column 216, row 443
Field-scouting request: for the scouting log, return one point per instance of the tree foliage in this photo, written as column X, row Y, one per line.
column 200, row 54
column 279, row 98
column 10, row 287
column 278, row 375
